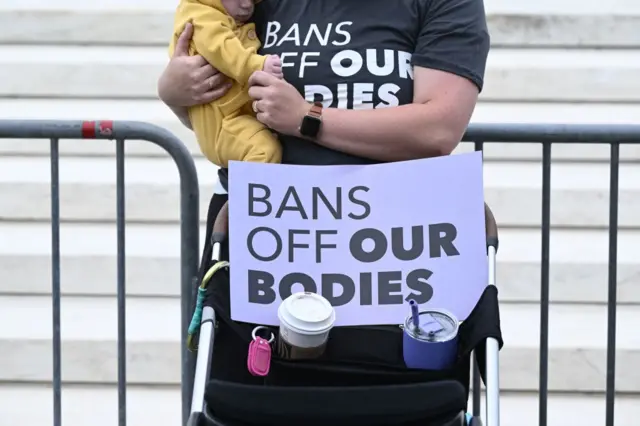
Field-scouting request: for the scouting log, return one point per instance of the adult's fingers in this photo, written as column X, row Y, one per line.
column 262, row 117
column 213, row 82
column 257, row 92
column 213, row 94
column 182, row 44
column 261, row 78
column 204, row 71
column 198, row 61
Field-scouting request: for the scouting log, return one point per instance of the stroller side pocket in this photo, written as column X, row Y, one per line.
column 355, row 356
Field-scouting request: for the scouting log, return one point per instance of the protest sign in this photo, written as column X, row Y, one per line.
column 368, row 238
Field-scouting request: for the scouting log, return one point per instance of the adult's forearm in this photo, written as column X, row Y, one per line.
column 401, row 133
column 183, row 114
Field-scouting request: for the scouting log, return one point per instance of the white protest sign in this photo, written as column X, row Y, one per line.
column 368, row 238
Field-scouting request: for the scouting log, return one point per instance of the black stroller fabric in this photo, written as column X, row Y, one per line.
column 426, row 404
column 362, row 370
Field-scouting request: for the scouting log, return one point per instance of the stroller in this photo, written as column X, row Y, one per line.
column 355, row 383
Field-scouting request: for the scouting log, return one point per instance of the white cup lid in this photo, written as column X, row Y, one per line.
column 307, row 313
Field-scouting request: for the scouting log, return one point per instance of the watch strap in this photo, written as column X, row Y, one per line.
column 316, row 110
column 312, row 121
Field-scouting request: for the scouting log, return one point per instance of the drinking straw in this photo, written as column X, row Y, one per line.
column 415, row 315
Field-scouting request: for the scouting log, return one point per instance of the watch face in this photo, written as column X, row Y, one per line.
column 310, row 126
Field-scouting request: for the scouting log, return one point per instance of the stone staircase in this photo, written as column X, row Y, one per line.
column 552, row 61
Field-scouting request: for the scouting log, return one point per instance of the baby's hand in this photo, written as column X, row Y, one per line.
column 273, row 65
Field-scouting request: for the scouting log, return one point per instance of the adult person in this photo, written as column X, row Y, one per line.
column 397, row 80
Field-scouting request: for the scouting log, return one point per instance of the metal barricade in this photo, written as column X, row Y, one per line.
column 613, row 135
column 189, row 224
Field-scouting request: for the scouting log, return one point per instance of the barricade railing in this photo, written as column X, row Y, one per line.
column 613, row 135
column 547, row 135
column 189, row 233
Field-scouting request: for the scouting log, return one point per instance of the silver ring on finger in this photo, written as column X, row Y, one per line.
column 254, row 105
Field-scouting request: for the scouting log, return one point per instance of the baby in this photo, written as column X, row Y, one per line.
column 227, row 129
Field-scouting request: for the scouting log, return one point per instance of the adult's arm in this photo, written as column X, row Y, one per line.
column 449, row 64
column 189, row 80
column 183, row 115
column 431, row 126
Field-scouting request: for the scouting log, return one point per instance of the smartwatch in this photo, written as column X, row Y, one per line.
column 311, row 123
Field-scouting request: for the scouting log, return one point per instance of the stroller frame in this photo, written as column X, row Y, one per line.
column 199, row 413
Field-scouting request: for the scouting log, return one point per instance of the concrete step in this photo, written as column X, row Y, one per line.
column 519, row 282
column 147, row 202
column 161, row 406
column 158, row 363
column 544, row 7
column 517, row 245
column 155, row 112
column 492, row 6
column 577, row 339
column 629, row 153
column 32, row 404
column 521, row 409
column 567, row 153
column 152, row 27
column 157, row 319
column 587, row 176
column 532, row 75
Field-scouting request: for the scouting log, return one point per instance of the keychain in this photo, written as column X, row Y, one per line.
column 259, row 358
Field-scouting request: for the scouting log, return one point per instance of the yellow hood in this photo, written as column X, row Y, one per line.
column 216, row 4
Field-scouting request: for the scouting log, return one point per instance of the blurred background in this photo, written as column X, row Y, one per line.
column 559, row 61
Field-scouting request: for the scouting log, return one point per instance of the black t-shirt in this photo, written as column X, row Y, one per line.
column 358, row 54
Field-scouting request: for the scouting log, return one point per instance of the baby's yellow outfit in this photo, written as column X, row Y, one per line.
column 226, row 129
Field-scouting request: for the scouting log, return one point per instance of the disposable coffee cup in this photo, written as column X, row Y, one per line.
column 305, row 322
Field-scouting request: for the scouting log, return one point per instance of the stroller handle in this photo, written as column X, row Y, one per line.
column 221, row 225
column 491, row 228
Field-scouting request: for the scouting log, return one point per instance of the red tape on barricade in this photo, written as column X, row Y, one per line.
column 90, row 129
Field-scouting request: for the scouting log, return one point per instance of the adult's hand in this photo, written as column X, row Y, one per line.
column 190, row 80
column 277, row 103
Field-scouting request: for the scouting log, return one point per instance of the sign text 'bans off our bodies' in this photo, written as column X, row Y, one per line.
column 366, row 245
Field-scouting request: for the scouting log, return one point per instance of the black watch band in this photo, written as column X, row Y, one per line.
column 312, row 122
